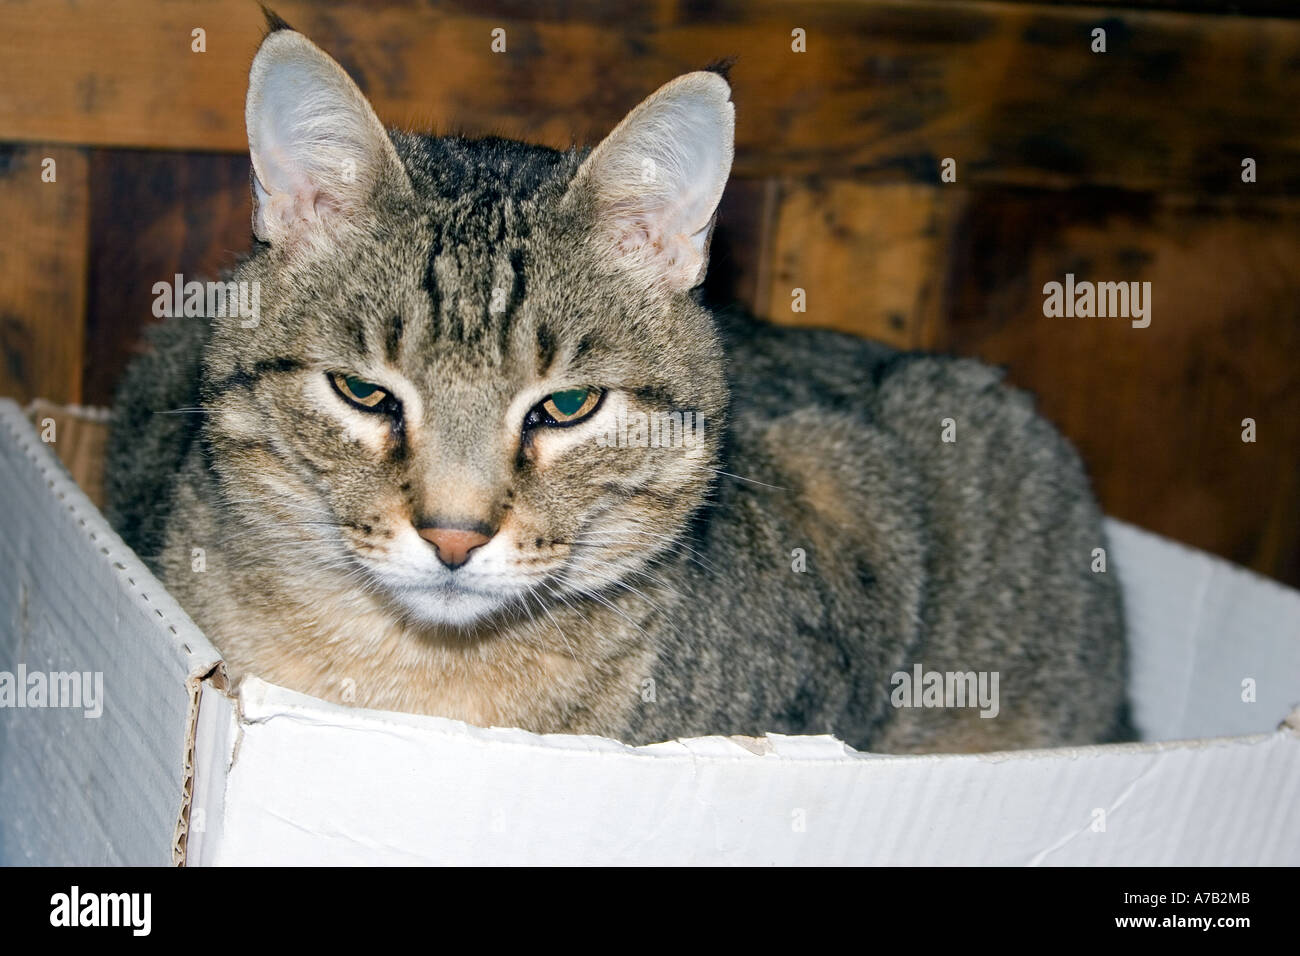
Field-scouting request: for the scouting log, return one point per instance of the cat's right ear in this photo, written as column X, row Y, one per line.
column 319, row 151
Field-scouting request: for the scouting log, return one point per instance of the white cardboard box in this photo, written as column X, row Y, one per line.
column 176, row 770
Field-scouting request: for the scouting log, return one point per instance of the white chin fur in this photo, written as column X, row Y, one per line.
column 449, row 605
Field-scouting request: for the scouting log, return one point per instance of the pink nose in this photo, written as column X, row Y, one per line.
column 453, row 544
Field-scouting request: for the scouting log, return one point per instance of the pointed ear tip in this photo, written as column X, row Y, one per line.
column 708, row 80
column 280, row 50
column 719, row 89
column 277, row 40
column 707, row 89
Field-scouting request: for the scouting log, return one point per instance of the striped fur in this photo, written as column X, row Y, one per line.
column 640, row 593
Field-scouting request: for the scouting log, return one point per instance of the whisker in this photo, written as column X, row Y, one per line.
column 752, row 481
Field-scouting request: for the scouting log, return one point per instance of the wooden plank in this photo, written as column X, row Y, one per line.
column 42, row 272
column 1156, row 412
column 739, row 252
column 870, row 259
column 1011, row 90
column 154, row 215
column 80, row 436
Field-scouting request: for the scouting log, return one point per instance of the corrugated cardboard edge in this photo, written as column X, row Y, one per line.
column 216, row 750
column 180, row 839
column 134, row 577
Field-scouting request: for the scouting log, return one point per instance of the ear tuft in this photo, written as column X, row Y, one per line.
column 657, row 178
column 722, row 67
column 273, row 20
column 318, row 149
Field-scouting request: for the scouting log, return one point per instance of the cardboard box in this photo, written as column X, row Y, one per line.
column 176, row 770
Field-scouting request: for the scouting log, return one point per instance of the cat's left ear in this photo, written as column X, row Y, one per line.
column 656, row 180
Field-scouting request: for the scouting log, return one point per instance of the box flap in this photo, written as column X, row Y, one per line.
column 1215, row 649
column 317, row 783
column 105, row 789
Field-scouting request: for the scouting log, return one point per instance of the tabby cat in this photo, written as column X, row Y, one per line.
column 484, row 454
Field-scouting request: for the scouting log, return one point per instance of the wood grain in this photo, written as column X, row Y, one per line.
column 42, row 272
column 886, row 89
column 80, row 437
column 869, row 258
column 154, row 215
column 1156, row 412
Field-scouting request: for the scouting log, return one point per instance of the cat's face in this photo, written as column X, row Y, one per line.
column 477, row 382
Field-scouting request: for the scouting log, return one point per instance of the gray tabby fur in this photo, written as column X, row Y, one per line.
column 660, row 598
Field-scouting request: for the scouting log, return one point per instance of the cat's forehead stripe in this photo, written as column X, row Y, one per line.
column 359, row 333
column 518, row 289
column 545, row 348
column 483, row 200
column 476, row 289
column 393, row 338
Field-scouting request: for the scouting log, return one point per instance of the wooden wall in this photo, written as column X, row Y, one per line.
column 1115, row 166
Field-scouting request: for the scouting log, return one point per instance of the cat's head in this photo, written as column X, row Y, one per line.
column 478, row 378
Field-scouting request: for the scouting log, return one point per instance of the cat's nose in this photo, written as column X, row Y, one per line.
column 453, row 544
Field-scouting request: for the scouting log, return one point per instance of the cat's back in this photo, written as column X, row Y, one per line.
column 927, row 509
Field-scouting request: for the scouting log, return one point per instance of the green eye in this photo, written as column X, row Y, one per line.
column 358, row 392
column 570, row 402
column 359, row 388
column 571, row 405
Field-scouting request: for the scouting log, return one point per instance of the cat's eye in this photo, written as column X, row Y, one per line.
column 363, row 394
column 566, row 407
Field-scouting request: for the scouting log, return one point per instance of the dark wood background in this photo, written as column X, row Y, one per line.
column 1123, row 166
